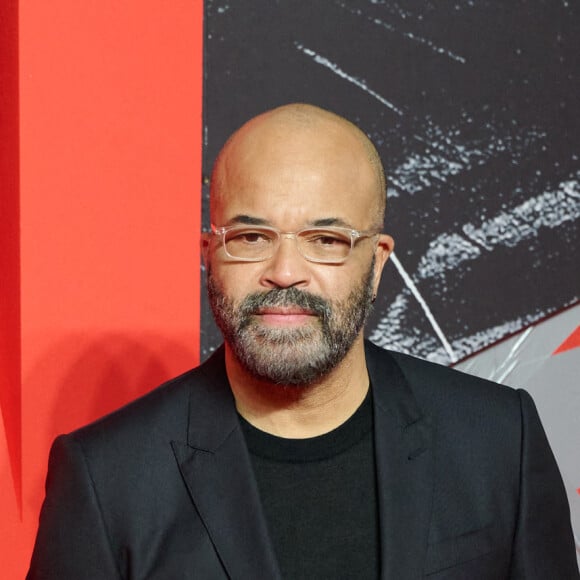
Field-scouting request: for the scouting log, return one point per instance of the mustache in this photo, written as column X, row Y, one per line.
column 284, row 297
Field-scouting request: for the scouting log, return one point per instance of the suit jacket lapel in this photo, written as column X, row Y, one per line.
column 404, row 459
column 216, row 467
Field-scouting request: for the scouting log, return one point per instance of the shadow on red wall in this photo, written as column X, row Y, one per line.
column 83, row 378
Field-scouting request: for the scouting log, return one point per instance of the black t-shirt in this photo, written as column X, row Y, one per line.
column 319, row 498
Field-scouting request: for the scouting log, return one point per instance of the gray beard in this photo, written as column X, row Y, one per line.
column 291, row 356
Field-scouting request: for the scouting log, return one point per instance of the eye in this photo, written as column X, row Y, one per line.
column 331, row 240
column 326, row 239
column 252, row 237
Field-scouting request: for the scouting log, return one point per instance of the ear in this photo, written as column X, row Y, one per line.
column 204, row 245
column 383, row 250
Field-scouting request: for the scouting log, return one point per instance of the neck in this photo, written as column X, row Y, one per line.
column 301, row 411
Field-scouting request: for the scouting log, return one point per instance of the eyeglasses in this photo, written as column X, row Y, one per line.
column 328, row 245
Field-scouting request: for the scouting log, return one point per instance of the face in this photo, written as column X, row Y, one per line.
column 287, row 320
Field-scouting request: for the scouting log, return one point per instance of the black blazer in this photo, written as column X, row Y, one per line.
column 164, row 489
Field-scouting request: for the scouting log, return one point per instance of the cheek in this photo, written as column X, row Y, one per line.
column 235, row 281
column 336, row 283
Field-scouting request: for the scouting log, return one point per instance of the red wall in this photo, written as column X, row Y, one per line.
column 100, row 177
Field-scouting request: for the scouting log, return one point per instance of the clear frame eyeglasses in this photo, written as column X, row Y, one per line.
column 323, row 245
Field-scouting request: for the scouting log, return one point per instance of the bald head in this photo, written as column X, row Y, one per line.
column 292, row 135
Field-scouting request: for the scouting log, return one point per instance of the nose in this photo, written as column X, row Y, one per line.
column 287, row 267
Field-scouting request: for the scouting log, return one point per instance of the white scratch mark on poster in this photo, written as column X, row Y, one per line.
column 548, row 210
column 419, row 39
column 445, row 156
column 413, row 37
column 467, row 345
column 511, row 361
column 427, row 311
column 338, row 71
column 389, row 333
column 510, row 228
column 445, row 252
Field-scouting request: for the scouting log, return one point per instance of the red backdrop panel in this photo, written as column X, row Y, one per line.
column 109, row 204
column 10, row 408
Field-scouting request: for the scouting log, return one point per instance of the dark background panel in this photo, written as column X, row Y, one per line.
column 473, row 107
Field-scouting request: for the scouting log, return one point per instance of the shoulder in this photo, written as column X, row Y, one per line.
column 445, row 393
column 422, row 374
column 161, row 414
column 163, row 408
column 474, row 423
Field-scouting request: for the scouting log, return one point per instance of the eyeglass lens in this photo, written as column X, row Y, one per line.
column 314, row 244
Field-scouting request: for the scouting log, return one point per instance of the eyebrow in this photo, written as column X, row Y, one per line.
column 331, row 222
column 247, row 220
column 256, row 221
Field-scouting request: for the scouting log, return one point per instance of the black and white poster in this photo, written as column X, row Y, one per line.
column 474, row 108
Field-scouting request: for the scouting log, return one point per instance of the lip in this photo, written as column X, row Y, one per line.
column 285, row 315
column 285, row 310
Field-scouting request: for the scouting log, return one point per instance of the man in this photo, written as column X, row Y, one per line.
column 297, row 450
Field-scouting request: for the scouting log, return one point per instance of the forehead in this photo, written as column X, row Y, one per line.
column 292, row 177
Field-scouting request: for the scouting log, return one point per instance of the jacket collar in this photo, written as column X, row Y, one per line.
column 404, row 460
column 216, row 468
